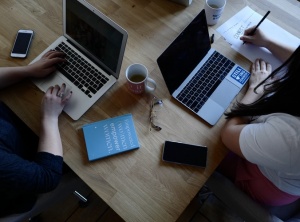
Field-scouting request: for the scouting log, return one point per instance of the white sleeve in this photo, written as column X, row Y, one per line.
column 271, row 143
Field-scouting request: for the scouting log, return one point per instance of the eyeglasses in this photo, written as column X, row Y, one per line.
column 156, row 105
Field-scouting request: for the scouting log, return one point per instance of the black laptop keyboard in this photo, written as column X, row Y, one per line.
column 206, row 80
column 82, row 74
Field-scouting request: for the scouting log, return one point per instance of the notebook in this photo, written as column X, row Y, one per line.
column 197, row 75
column 95, row 47
column 110, row 137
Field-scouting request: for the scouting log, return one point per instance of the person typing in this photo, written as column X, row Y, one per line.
column 30, row 165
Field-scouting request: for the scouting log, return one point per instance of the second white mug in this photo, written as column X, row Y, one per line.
column 214, row 10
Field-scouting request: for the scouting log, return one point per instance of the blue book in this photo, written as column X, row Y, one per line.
column 110, row 136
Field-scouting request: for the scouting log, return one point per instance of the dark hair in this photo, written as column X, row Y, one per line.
column 281, row 95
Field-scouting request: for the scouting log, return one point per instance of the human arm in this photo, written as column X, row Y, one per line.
column 19, row 175
column 41, row 68
column 52, row 106
column 278, row 49
column 231, row 131
column 42, row 172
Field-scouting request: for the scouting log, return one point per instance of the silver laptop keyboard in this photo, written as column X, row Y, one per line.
column 203, row 84
column 82, row 74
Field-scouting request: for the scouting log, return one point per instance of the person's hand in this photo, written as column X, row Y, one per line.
column 54, row 101
column 46, row 65
column 260, row 70
column 259, row 38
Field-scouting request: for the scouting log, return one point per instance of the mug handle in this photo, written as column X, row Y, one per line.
column 153, row 83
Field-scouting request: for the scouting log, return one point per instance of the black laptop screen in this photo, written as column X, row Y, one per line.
column 185, row 52
column 94, row 34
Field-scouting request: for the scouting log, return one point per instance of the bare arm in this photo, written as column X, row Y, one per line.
column 278, row 49
column 41, row 68
column 231, row 131
column 52, row 106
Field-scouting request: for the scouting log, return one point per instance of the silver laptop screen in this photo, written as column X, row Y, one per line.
column 95, row 34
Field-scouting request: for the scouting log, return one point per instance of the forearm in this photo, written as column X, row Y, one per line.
column 50, row 140
column 277, row 48
column 250, row 96
column 280, row 51
column 11, row 75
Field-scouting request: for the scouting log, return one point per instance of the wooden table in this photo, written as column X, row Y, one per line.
column 137, row 185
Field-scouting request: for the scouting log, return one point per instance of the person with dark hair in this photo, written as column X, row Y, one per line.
column 262, row 130
column 30, row 165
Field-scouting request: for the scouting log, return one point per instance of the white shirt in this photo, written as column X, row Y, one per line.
column 273, row 143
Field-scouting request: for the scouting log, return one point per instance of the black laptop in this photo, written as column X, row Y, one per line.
column 198, row 76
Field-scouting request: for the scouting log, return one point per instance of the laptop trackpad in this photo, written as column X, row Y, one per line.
column 53, row 80
column 225, row 93
column 211, row 112
column 216, row 105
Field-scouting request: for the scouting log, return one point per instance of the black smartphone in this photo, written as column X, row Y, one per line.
column 22, row 43
column 182, row 153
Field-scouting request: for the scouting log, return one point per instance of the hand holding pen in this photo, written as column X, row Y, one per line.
column 259, row 38
column 250, row 34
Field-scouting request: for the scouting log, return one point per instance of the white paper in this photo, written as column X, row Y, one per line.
column 232, row 29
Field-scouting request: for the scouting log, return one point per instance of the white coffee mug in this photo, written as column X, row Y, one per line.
column 214, row 10
column 138, row 80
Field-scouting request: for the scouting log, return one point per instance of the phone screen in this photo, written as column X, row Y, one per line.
column 182, row 153
column 22, row 44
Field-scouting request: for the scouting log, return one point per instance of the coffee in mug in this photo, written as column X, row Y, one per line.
column 137, row 78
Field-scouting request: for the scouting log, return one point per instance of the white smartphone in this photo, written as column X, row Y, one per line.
column 182, row 153
column 22, row 43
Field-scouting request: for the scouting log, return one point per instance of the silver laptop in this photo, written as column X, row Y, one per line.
column 198, row 76
column 95, row 47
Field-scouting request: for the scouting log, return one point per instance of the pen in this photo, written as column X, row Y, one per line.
column 254, row 30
